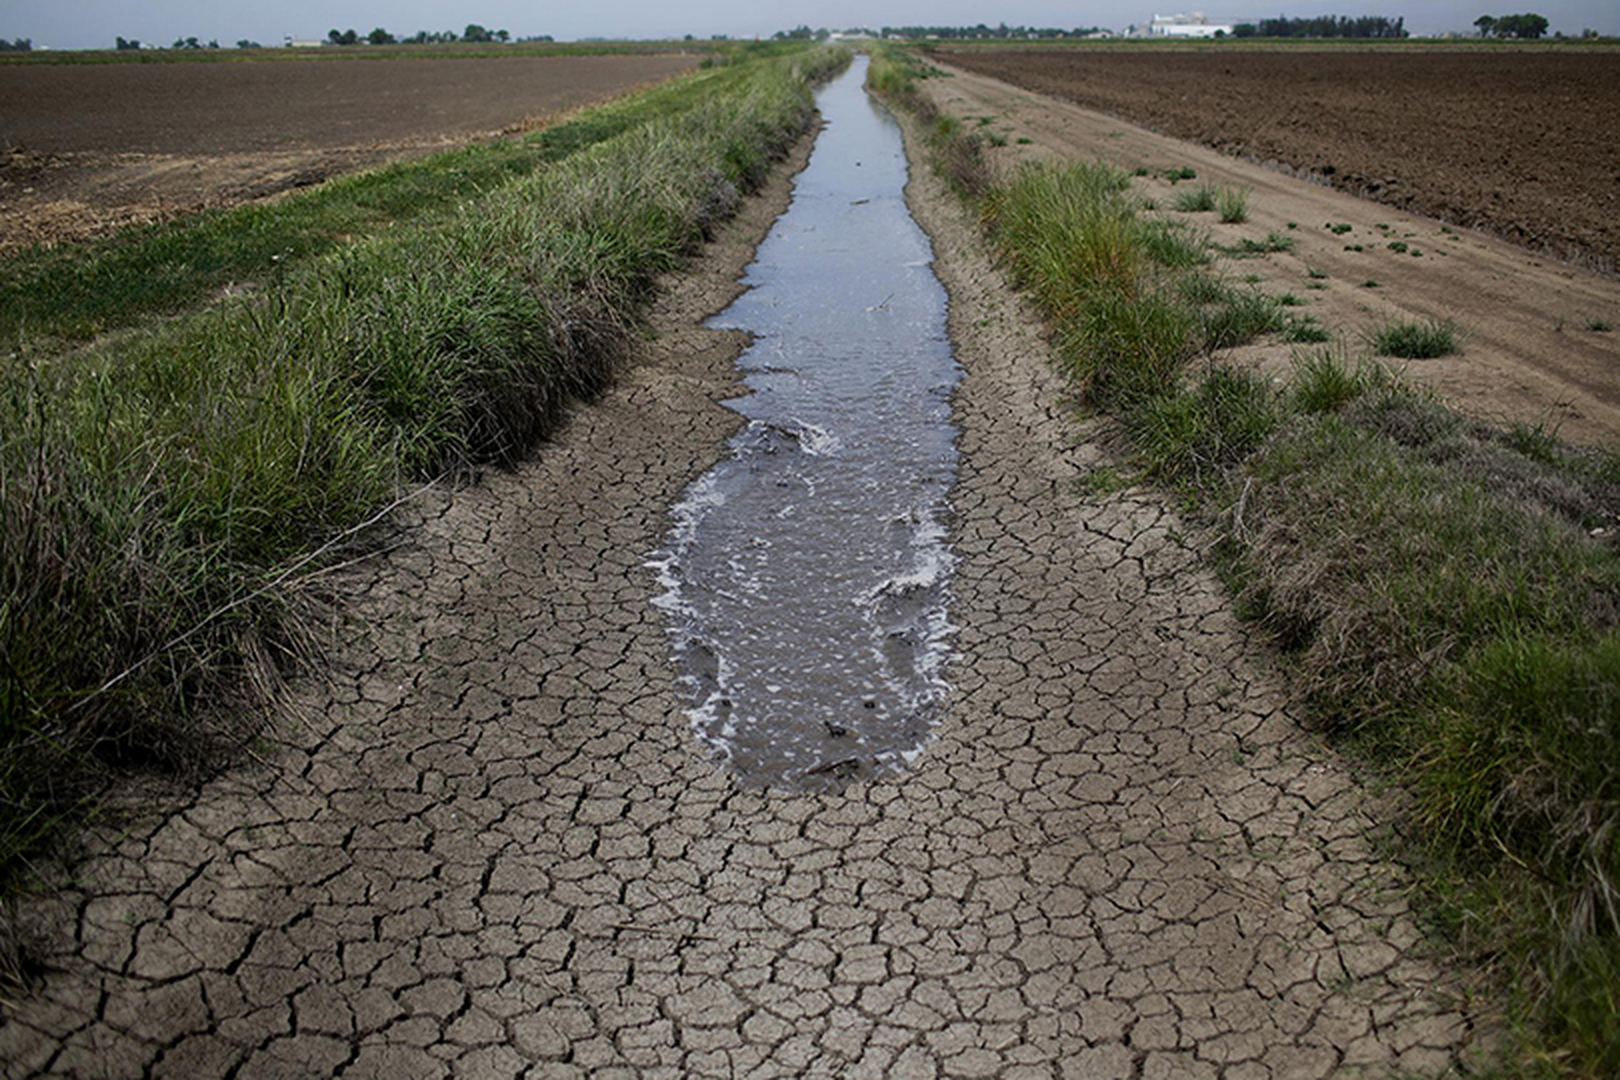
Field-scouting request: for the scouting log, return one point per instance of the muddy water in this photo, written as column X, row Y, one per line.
column 806, row 574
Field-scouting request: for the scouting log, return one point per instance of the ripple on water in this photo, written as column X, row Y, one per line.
column 805, row 576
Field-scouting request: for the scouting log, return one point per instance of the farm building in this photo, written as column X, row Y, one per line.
column 1193, row 24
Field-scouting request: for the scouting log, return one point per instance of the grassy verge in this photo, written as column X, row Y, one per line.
column 161, row 493
column 1446, row 595
column 55, row 296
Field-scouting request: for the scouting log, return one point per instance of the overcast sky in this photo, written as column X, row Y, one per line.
column 94, row 23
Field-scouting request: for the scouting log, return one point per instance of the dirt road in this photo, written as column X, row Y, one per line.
column 1529, row 354
column 495, row 849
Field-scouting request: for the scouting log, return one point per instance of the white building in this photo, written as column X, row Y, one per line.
column 1191, row 24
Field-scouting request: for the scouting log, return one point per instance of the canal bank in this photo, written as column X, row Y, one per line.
column 494, row 846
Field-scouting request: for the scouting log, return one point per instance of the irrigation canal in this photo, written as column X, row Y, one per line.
column 805, row 576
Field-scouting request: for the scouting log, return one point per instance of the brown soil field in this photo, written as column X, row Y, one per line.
column 1532, row 351
column 1524, row 144
column 88, row 148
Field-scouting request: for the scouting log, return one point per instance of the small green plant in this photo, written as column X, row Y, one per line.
column 1314, row 274
column 1323, row 380
column 1288, row 299
column 1416, row 340
column 1371, row 283
column 1185, row 172
column 995, row 138
column 1141, row 170
column 1184, row 434
column 1337, row 230
column 1240, row 317
column 1203, row 289
column 1305, row 330
column 1249, row 249
column 1354, row 247
column 1024, row 140
column 1599, row 326
column 1397, row 246
column 1232, row 205
column 1538, row 441
column 1104, row 480
column 1293, row 224
column 1196, row 200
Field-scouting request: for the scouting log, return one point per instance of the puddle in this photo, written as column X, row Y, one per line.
column 805, row 576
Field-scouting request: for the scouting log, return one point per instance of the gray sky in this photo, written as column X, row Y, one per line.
column 94, row 23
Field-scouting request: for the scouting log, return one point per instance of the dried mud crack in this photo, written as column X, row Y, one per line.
column 491, row 848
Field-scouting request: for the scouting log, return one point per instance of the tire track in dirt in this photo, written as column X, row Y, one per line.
column 493, row 848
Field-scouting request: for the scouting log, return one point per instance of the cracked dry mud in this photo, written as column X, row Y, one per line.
column 492, row 847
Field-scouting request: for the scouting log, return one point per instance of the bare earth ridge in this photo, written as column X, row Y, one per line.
column 494, row 848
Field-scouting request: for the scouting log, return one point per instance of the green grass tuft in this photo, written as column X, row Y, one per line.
column 1196, row 200
column 1425, row 340
column 1232, row 205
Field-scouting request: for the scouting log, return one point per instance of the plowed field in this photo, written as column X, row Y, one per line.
column 1524, row 144
column 85, row 148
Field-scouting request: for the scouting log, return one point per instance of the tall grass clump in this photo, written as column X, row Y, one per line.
column 1196, row 200
column 1415, row 340
column 161, row 494
column 1232, row 205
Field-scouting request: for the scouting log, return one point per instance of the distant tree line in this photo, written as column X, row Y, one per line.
column 1528, row 26
column 379, row 36
column 1324, row 26
column 21, row 44
column 983, row 31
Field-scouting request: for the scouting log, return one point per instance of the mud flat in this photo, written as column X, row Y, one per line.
column 85, row 148
column 1524, row 144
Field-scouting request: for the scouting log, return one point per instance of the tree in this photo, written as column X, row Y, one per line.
column 246, row 44
column 1486, row 25
column 475, row 33
column 345, row 37
column 125, row 44
column 503, row 36
column 1528, row 26
column 1245, row 29
column 379, row 36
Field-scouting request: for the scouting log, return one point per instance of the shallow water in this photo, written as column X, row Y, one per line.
column 806, row 574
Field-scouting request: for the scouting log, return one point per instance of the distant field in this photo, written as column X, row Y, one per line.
column 463, row 50
column 87, row 148
column 1525, row 143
